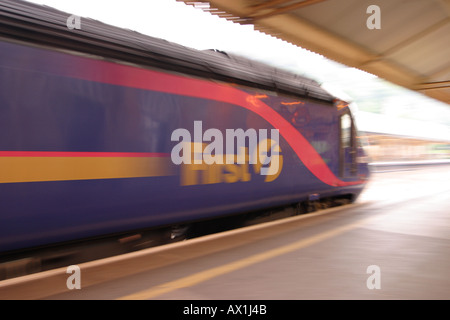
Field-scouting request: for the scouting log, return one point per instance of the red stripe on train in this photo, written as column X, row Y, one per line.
column 128, row 76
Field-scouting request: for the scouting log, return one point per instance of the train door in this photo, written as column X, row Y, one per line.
column 347, row 157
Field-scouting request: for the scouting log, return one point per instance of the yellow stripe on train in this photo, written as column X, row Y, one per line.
column 33, row 169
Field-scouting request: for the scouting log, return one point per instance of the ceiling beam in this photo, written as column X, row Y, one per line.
column 416, row 37
column 441, row 72
column 277, row 11
column 433, row 85
column 268, row 4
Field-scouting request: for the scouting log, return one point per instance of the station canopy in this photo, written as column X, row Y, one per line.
column 411, row 48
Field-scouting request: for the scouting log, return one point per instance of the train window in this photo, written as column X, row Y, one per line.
column 346, row 131
column 348, row 166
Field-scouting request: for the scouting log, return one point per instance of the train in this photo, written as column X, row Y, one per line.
column 104, row 131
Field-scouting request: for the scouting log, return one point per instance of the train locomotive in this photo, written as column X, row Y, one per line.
column 104, row 131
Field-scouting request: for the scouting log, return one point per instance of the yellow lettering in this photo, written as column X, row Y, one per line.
column 233, row 173
column 195, row 174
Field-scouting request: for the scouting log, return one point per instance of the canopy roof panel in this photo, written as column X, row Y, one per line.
column 411, row 49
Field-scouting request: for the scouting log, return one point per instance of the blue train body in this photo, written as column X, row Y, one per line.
column 87, row 147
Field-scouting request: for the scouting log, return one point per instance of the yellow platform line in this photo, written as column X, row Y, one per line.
column 209, row 274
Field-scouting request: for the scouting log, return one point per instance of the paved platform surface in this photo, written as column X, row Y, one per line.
column 394, row 243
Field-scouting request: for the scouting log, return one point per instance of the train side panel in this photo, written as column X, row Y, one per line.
column 86, row 148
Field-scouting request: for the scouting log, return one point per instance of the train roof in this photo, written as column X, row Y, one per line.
column 43, row 25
